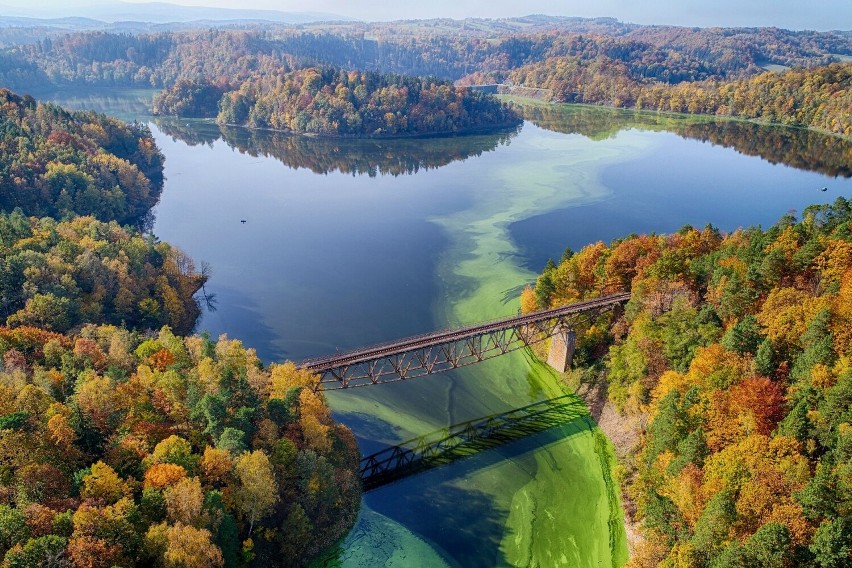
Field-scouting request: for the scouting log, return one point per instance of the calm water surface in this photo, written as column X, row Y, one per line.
column 347, row 243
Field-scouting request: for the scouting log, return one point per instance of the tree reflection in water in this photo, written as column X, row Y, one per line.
column 323, row 155
column 795, row 147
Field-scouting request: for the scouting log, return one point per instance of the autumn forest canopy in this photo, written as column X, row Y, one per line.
column 736, row 348
column 58, row 163
column 333, row 102
column 159, row 450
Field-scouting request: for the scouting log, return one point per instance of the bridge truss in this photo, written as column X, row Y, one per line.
column 446, row 350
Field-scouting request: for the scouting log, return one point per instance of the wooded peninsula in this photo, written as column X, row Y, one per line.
column 332, row 102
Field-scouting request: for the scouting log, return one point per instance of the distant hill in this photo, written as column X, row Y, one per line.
column 64, row 23
column 161, row 13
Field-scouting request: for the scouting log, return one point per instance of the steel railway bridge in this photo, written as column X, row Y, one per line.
column 450, row 349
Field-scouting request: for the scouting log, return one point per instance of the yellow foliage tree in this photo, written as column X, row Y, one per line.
column 184, row 500
column 786, row 313
column 256, row 492
column 216, row 465
column 58, row 426
column 764, row 472
column 528, row 302
column 95, row 397
column 714, row 366
column 162, row 475
column 834, row 261
column 841, row 326
column 287, row 376
column 104, row 483
column 183, row 546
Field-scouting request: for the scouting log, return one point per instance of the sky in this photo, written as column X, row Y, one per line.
column 792, row 14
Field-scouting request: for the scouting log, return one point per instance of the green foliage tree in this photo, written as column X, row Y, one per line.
column 13, row 528
column 744, row 337
column 42, row 552
column 832, row 544
column 232, row 440
column 769, row 546
column 714, row 526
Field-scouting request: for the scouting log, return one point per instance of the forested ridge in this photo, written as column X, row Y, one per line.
column 818, row 97
column 58, row 163
column 333, row 102
column 151, row 60
column 442, row 48
column 598, row 61
column 736, row 349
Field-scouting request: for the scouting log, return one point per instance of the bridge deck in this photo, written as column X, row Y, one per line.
column 434, row 339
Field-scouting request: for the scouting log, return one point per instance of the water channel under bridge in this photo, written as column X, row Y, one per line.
column 440, row 351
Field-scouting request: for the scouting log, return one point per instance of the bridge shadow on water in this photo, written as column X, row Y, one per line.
column 441, row 510
column 467, row 439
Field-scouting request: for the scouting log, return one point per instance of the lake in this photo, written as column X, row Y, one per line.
column 319, row 245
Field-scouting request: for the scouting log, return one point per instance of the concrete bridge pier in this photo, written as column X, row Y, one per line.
column 562, row 346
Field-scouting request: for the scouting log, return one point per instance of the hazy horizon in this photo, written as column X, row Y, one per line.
column 791, row 14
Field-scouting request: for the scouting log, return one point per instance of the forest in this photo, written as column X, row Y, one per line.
column 333, row 102
column 127, row 449
column 445, row 49
column 736, row 351
column 127, row 441
column 60, row 275
column 818, row 97
column 58, row 163
column 189, row 99
column 803, row 149
column 719, row 71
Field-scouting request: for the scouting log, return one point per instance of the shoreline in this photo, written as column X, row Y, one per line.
column 499, row 129
column 702, row 118
column 624, row 432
